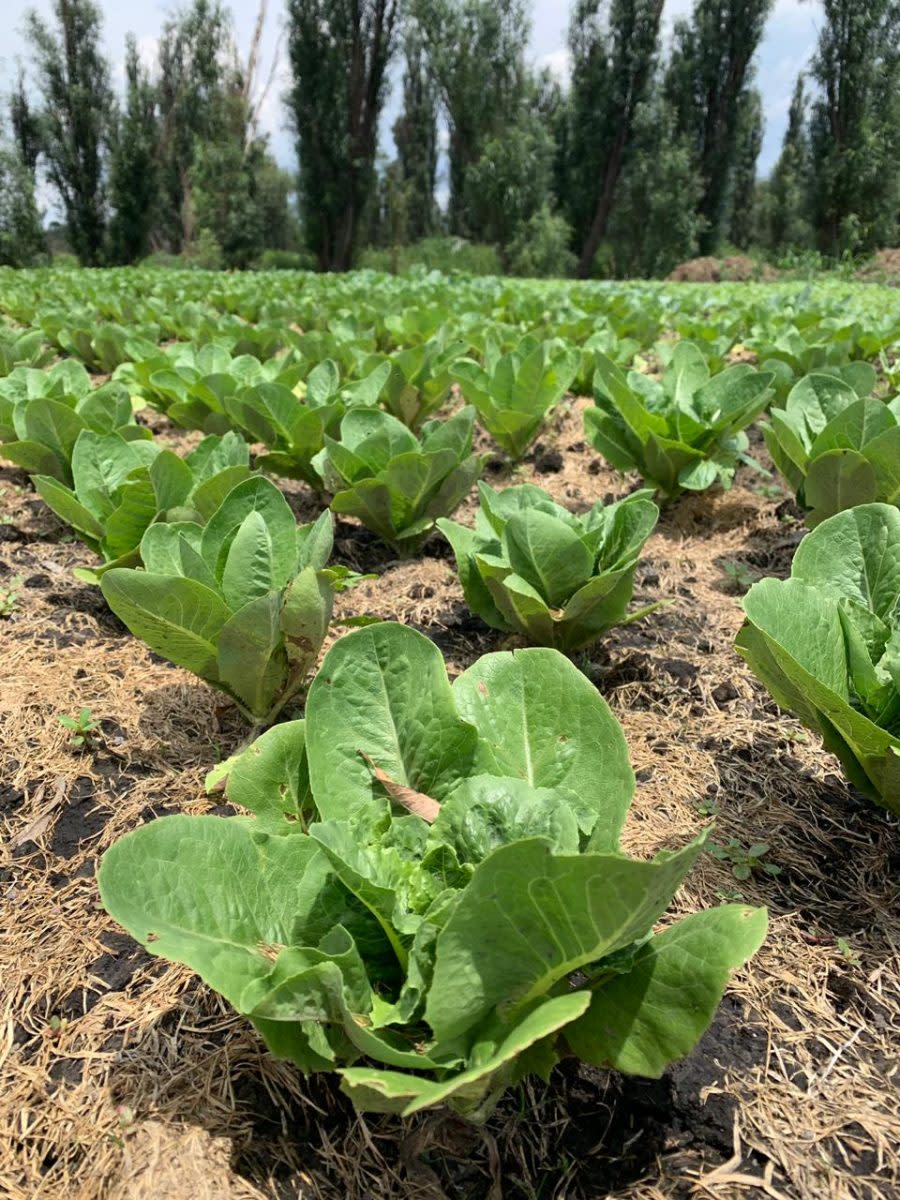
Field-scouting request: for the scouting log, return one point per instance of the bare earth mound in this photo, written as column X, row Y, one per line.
column 884, row 268
column 735, row 268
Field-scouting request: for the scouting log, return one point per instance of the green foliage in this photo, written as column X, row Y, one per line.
column 744, row 860
column 685, row 432
column 476, row 54
column 835, row 447
column 20, row 348
column 420, row 379
column 708, row 71
column 540, row 246
column 654, row 224
column 748, row 144
column 531, row 567
column 854, row 125
column 294, row 429
column 826, row 643
column 134, row 164
column 788, row 215
column 73, row 79
column 395, row 483
column 614, row 57
column 243, row 601
column 416, row 139
column 430, row 898
column 447, row 254
column 42, row 414
column 204, row 388
column 120, row 488
column 22, row 241
column 335, row 109
column 510, row 181
column 10, row 596
column 513, row 393
column 84, row 731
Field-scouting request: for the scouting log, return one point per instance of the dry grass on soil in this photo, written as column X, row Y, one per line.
column 123, row 1077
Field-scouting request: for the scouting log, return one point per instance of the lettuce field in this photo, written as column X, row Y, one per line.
column 451, row 737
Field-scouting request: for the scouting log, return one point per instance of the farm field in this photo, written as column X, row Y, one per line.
column 124, row 1075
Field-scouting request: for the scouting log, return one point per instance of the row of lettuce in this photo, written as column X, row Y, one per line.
column 106, row 318
column 528, row 566
column 430, row 895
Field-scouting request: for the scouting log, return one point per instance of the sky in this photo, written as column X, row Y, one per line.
column 788, row 43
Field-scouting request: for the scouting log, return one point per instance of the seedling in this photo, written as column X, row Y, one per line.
column 851, row 955
column 744, row 862
column 84, row 731
column 739, row 575
column 9, row 596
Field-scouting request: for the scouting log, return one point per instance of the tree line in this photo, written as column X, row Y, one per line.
column 647, row 156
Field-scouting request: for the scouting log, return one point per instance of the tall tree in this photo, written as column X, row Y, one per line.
column 339, row 52
column 742, row 226
column 22, row 241
column 654, row 224
column 194, row 67
column 476, row 50
column 788, row 193
column 708, row 70
column 613, row 61
column 73, row 78
column 855, row 125
column 415, row 136
column 133, row 169
column 26, row 125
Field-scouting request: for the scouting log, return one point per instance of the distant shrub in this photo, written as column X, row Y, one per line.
column 540, row 248
column 434, row 254
column 285, row 260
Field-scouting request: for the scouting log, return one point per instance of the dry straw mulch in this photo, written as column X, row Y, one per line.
column 123, row 1077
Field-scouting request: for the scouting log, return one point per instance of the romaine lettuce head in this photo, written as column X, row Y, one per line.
column 826, row 643
column 532, row 567
column 430, row 897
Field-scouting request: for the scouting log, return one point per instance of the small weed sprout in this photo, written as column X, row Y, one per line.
column 744, row 862
column 84, row 731
column 9, row 596
column 739, row 575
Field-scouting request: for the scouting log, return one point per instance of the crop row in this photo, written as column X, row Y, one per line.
column 431, row 880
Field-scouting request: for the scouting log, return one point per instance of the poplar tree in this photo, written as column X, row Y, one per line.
column 476, row 51
column 614, row 52
column 742, row 226
column 855, row 126
column 705, row 80
column 415, row 136
column 788, row 193
column 73, row 81
column 134, row 174
column 339, row 51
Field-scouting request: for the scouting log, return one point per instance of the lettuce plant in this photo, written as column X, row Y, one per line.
column 431, row 898
column 836, row 449
column 119, row 488
column 394, row 482
column 22, row 348
column 293, row 424
column 514, row 392
column 826, row 642
column 684, row 432
column 193, row 386
column 420, row 379
column 243, row 601
column 532, row 567
column 43, row 412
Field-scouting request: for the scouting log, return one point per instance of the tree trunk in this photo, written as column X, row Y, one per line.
column 599, row 225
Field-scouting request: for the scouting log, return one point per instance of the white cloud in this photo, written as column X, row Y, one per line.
column 558, row 63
